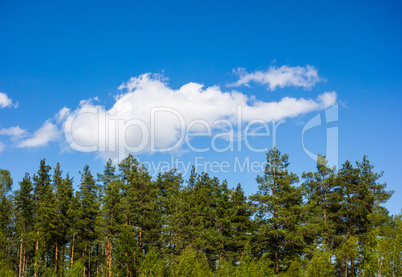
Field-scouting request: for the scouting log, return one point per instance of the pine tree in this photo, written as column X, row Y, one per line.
column 198, row 221
column 64, row 194
column 111, row 216
column 45, row 215
column 169, row 186
column 5, row 217
column 73, row 235
column 141, row 213
column 87, row 213
column 372, row 195
column 278, row 207
column 24, row 210
column 241, row 225
column 318, row 189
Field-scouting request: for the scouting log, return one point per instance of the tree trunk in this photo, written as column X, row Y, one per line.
column 89, row 261
column 20, row 267
column 24, row 260
column 276, row 261
column 83, row 257
column 126, row 264
column 72, row 253
column 110, row 257
column 57, row 252
column 63, row 252
column 140, row 238
column 36, row 250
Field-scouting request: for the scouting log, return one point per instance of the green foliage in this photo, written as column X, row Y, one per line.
column 224, row 268
column 319, row 188
column 320, row 264
column 152, row 265
column 252, row 266
column 77, row 270
column 5, row 215
column 347, row 255
column 126, row 224
column 88, row 209
column 295, row 269
column 191, row 264
column 278, row 205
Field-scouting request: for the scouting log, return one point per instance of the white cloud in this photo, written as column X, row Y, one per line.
column 62, row 114
column 284, row 76
column 94, row 128
column 2, row 147
column 14, row 132
column 47, row 133
column 5, row 101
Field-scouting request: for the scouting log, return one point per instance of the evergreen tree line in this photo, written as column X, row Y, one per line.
column 123, row 223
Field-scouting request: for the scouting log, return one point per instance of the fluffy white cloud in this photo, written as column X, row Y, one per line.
column 47, row 133
column 5, row 101
column 150, row 113
column 284, row 76
column 14, row 132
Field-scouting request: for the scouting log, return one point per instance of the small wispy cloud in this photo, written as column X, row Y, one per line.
column 47, row 133
column 62, row 115
column 14, row 132
column 274, row 77
column 5, row 101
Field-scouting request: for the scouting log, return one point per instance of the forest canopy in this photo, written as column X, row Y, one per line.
column 121, row 222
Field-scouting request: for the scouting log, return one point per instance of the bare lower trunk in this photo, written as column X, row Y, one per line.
column 126, row 264
column 276, row 261
column 110, row 258
column 325, row 226
column 83, row 258
column 20, row 267
column 36, row 250
column 57, row 253
column 72, row 253
column 89, row 261
column 24, row 262
column 140, row 239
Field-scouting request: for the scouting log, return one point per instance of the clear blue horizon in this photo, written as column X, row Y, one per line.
column 54, row 55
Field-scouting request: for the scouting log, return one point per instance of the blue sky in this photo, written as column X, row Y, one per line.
column 53, row 55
